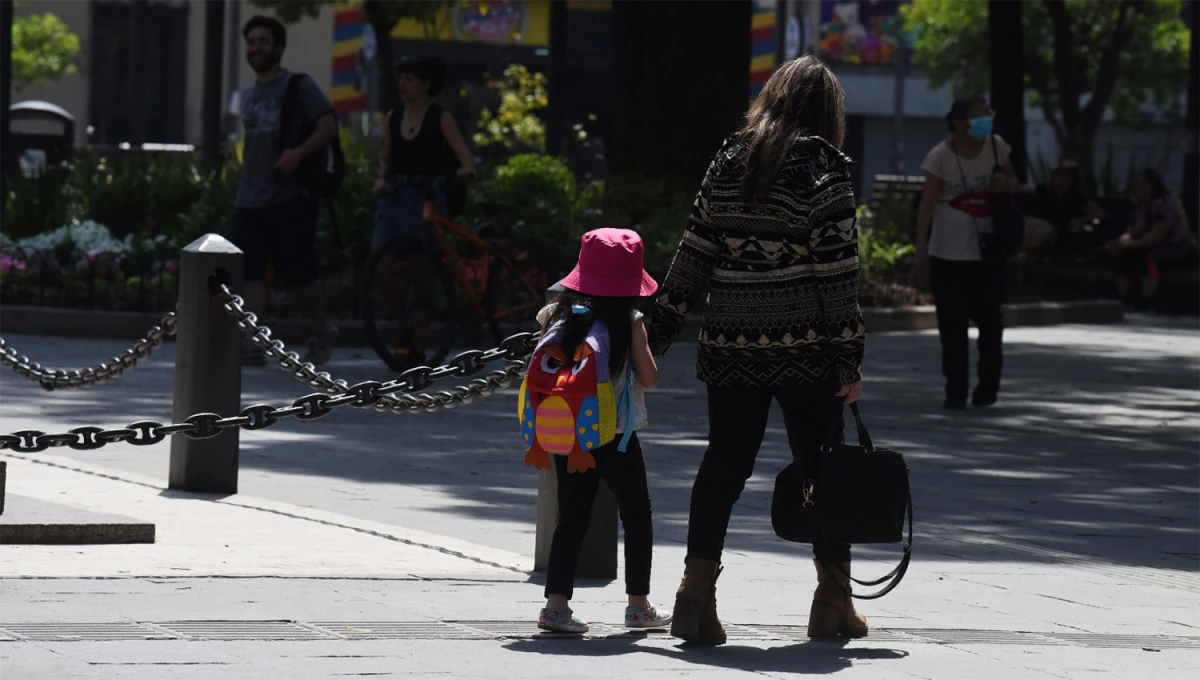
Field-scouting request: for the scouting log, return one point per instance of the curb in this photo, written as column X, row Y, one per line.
column 58, row 322
column 75, row 534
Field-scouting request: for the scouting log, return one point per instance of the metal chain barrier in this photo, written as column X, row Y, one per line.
column 386, row 396
column 466, row 364
column 55, row 378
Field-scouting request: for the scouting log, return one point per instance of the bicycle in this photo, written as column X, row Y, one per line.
column 397, row 290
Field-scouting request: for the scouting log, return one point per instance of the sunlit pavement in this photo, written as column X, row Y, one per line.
column 1057, row 532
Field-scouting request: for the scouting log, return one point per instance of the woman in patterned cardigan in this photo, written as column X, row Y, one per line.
column 772, row 239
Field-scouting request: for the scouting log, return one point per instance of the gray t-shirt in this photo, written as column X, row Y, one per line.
column 261, row 106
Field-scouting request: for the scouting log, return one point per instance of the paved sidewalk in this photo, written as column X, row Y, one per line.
column 1057, row 533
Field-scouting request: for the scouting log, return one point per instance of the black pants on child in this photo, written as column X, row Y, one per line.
column 625, row 474
column 737, row 421
column 965, row 292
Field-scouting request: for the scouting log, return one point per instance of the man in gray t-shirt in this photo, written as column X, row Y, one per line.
column 275, row 220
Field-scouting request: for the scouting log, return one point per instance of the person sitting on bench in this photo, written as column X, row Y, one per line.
column 1156, row 240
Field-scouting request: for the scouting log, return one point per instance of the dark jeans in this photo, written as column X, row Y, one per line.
column 737, row 421
column 282, row 235
column 625, row 474
column 965, row 292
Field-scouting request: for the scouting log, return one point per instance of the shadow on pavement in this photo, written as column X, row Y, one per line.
column 1091, row 452
column 805, row 658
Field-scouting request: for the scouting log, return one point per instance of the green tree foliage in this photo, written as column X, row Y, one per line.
column 514, row 124
column 1081, row 57
column 43, row 50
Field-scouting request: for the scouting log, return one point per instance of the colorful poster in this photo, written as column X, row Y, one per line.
column 762, row 45
column 862, row 32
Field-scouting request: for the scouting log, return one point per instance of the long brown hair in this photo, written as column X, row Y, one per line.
column 802, row 97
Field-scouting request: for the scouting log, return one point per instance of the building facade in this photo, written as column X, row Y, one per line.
column 894, row 117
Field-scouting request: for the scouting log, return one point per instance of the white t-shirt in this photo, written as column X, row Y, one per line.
column 964, row 209
column 637, row 393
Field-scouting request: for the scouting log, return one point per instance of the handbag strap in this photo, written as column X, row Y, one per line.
column 864, row 437
column 894, row 577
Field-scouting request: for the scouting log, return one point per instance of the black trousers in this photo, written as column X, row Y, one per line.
column 284, row 235
column 965, row 292
column 625, row 474
column 737, row 421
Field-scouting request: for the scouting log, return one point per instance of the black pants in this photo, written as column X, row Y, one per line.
column 283, row 235
column 737, row 421
column 965, row 292
column 625, row 474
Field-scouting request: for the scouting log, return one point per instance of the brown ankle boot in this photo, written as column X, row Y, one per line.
column 832, row 612
column 695, row 615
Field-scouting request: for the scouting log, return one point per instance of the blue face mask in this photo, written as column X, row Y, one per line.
column 980, row 128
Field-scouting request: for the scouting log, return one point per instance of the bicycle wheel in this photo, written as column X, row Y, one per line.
column 510, row 301
column 396, row 311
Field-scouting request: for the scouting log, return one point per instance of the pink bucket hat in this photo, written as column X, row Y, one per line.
column 610, row 265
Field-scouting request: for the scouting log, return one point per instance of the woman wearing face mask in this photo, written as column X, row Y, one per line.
column 961, row 174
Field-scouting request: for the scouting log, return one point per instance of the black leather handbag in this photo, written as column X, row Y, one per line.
column 847, row 495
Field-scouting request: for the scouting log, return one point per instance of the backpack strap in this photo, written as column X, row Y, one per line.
column 286, row 105
column 626, row 404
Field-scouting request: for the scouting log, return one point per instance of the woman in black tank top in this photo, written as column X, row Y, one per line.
column 420, row 139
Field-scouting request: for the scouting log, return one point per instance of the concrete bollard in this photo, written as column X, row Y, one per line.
column 208, row 368
column 598, row 558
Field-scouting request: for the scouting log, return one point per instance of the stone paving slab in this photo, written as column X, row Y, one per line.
column 624, row 657
column 28, row 521
column 1071, row 509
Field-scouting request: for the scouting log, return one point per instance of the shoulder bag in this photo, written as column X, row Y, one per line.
column 847, row 495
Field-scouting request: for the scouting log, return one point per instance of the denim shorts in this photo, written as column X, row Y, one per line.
column 398, row 216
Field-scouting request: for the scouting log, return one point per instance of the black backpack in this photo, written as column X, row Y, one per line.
column 320, row 173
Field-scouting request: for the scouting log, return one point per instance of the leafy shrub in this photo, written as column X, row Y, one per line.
column 36, row 204
column 656, row 208
column 884, row 240
column 546, row 204
column 513, row 126
column 135, row 193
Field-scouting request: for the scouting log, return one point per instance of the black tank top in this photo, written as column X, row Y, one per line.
column 424, row 154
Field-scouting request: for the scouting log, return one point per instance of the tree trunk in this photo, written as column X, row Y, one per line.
column 1191, row 159
column 1080, row 125
column 6, row 31
column 385, row 63
column 214, row 56
column 556, row 112
column 1008, row 77
column 684, row 74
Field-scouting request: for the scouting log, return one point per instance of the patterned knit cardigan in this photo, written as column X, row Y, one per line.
column 781, row 276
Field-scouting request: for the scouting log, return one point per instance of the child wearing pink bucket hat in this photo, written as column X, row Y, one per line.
column 605, row 287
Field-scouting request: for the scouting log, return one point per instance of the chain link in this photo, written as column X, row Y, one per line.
column 260, row 416
column 383, row 396
column 394, row 396
column 54, row 378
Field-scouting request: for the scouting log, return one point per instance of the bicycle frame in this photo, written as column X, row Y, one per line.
column 442, row 225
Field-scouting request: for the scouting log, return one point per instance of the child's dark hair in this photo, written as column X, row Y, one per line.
column 615, row 312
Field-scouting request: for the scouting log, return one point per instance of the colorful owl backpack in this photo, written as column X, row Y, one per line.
column 566, row 403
